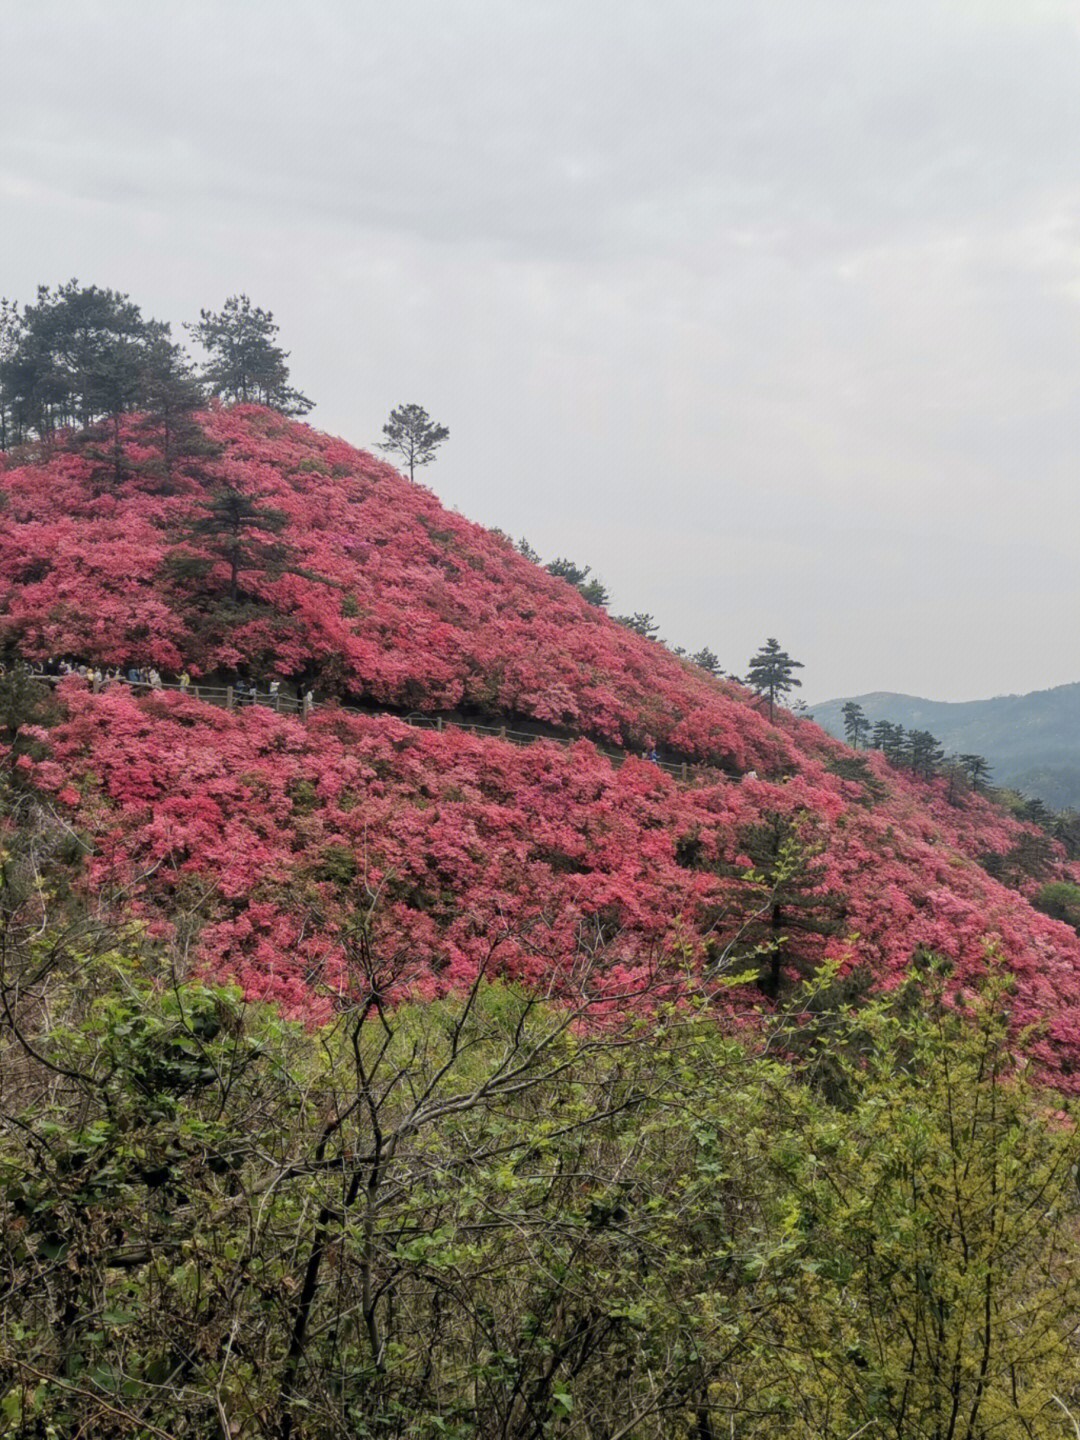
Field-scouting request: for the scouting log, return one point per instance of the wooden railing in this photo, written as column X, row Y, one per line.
column 230, row 697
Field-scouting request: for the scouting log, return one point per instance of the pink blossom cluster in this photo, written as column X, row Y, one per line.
column 276, row 835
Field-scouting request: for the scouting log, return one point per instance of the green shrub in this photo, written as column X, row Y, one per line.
column 1060, row 899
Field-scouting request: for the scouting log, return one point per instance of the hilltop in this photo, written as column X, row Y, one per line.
column 1030, row 740
column 261, row 838
column 383, row 594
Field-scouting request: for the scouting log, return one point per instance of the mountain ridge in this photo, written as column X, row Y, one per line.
column 1031, row 740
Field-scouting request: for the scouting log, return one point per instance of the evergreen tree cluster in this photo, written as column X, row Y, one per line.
column 921, row 753
column 80, row 356
column 918, row 751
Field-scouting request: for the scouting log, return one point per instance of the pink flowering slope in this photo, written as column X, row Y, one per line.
column 272, row 836
column 266, row 838
column 389, row 596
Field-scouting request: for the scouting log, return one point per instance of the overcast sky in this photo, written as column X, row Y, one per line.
column 769, row 311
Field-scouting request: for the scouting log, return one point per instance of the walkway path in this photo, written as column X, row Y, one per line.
column 229, row 698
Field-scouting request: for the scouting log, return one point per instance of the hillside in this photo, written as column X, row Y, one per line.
column 385, row 595
column 265, row 840
column 1029, row 740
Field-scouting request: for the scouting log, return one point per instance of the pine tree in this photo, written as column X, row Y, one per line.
column 72, row 358
column 895, row 749
column 413, row 435
column 856, row 725
column 170, row 396
column 883, row 735
column 565, row 569
column 594, row 590
column 708, row 661
column 640, row 623
column 234, row 528
column 791, row 904
column 244, row 363
column 771, row 673
column 924, row 753
column 10, row 335
column 978, row 770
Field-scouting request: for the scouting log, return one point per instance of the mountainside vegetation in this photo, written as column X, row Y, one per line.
column 368, row 1079
column 281, row 551
column 493, row 1215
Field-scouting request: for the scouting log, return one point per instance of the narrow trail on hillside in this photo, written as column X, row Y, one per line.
column 234, row 698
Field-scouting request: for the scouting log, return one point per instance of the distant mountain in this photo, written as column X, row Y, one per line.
column 1032, row 741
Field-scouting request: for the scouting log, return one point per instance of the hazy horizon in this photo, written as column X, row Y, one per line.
column 767, row 313
column 932, row 699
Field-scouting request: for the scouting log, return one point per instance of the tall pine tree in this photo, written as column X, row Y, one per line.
column 412, row 435
column 243, row 362
column 772, row 673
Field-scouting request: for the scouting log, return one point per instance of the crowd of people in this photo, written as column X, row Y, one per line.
column 143, row 679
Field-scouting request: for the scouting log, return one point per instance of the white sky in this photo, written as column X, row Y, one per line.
column 769, row 310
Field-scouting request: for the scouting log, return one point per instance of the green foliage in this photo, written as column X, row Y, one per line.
column 82, row 355
column 1065, row 829
column 336, row 863
column 233, row 528
column 771, row 672
column 1028, row 859
column 304, row 795
column 567, row 570
column 856, row 725
column 640, row 623
column 481, row 1215
column 923, row 753
column 243, row 361
column 889, row 739
column 412, row 435
column 787, row 905
column 708, row 661
column 23, row 701
column 1060, row 899
column 71, row 358
column 654, row 1230
column 855, row 768
column 977, row 768
column 169, row 395
column 943, row 1212
column 594, row 590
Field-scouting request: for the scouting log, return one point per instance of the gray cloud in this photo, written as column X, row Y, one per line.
column 768, row 311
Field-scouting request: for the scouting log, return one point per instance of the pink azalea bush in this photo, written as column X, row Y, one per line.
column 275, row 835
